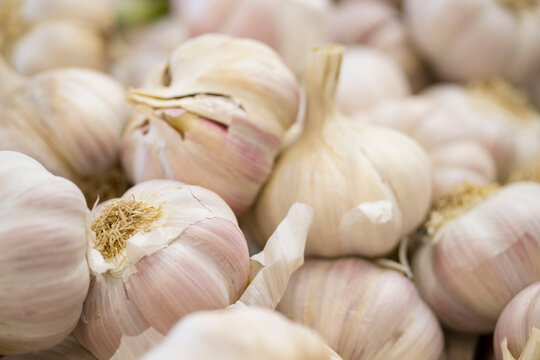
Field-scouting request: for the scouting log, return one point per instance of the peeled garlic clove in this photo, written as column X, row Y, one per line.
column 362, row 311
column 166, row 249
column 69, row 349
column 368, row 185
column 461, row 37
column 201, row 127
column 70, row 121
column 240, row 334
column 517, row 320
column 482, row 249
column 368, row 77
column 42, row 255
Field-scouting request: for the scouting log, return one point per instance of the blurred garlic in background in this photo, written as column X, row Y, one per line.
column 44, row 274
column 40, row 35
column 482, row 248
column 368, row 77
column 213, row 115
column 240, row 334
column 363, row 311
column 69, row 349
column 459, row 346
column 517, row 321
column 166, row 249
column 368, row 185
column 71, row 121
column 477, row 39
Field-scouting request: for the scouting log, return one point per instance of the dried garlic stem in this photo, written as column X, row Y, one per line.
column 532, row 348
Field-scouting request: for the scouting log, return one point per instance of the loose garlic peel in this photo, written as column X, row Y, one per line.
column 368, row 185
column 531, row 351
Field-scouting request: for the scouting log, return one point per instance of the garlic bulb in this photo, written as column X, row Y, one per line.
column 471, row 39
column 69, row 349
column 531, row 351
column 517, row 320
column 71, row 121
column 166, row 249
column 213, row 115
column 42, row 255
column 482, row 248
column 457, row 144
column 368, row 185
column 460, row 346
column 377, row 24
column 363, row 311
column 368, row 77
column 240, row 334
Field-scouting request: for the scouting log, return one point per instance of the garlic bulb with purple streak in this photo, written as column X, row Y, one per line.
column 44, row 274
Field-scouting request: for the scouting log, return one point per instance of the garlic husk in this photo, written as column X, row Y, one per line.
column 69, row 349
column 377, row 24
column 458, row 144
column 240, row 334
column 368, row 77
column 368, row 185
column 178, row 250
column 481, row 250
column 460, row 346
column 42, row 255
column 213, row 115
column 363, row 311
column 71, row 121
column 517, row 320
column 531, row 351
column 477, row 39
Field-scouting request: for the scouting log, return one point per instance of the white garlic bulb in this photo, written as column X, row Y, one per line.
column 482, row 248
column 368, row 185
column 363, row 311
column 471, row 39
column 240, row 334
column 517, row 320
column 69, row 349
column 368, row 77
column 213, row 115
column 42, row 255
column 166, row 249
column 71, row 121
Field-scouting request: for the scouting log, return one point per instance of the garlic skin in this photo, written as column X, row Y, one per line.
column 477, row 39
column 531, row 348
column 240, row 334
column 363, row 311
column 166, row 249
column 482, row 249
column 201, row 127
column 42, row 255
column 71, row 121
column 517, row 320
column 368, row 77
column 368, row 185
column 69, row 349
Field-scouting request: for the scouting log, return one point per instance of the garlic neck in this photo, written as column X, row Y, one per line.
column 521, row 4
column 322, row 74
column 462, row 198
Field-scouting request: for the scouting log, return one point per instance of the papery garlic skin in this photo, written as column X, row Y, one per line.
column 240, row 334
column 69, row 349
column 213, row 115
column 363, row 311
column 475, row 39
column 368, row 77
column 42, row 255
column 517, row 320
column 368, row 185
column 475, row 262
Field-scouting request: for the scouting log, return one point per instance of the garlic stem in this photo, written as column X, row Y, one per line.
column 531, row 351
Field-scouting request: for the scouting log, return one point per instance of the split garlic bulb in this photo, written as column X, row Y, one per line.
column 458, row 145
column 471, row 39
column 42, row 255
column 482, row 248
column 363, row 311
column 213, row 115
column 71, row 121
column 368, row 185
column 517, row 321
column 368, row 77
column 240, row 334
column 68, row 349
column 166, row 249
